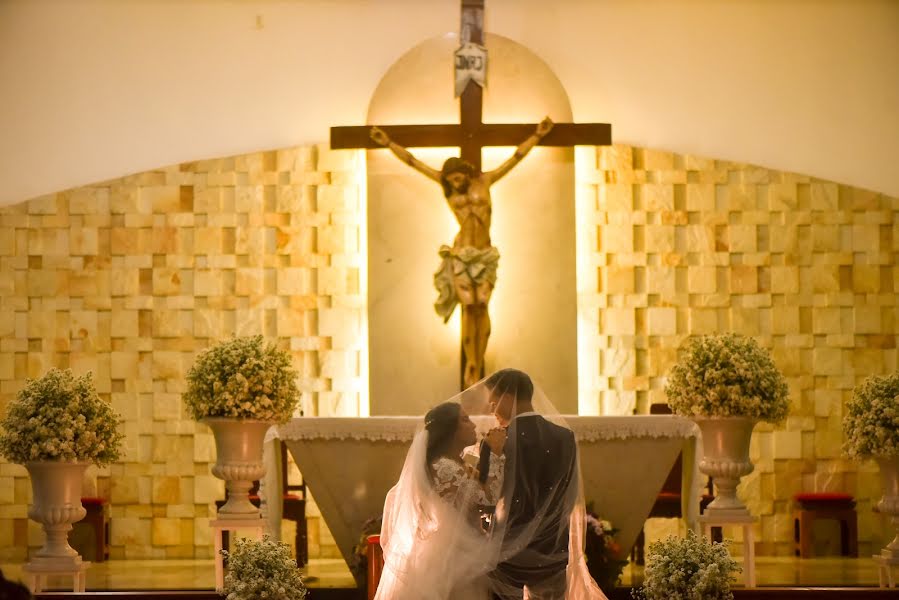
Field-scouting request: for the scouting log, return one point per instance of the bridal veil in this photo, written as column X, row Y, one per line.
column 442, row 546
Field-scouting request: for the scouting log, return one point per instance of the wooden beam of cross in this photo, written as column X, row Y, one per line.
column 471, row 135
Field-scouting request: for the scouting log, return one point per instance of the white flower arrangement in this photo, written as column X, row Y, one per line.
column 871, row 422
column 690, row 568
column 728, row 375
column 242, row 378
column 60, row 417
column 262, row 569
column 602, row 551
column 600, row 527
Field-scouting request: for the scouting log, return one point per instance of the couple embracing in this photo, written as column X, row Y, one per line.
column 499, row 520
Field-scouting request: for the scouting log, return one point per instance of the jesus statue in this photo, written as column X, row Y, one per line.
column 467, row 273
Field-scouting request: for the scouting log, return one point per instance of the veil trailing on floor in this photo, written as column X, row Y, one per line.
column 489, row 522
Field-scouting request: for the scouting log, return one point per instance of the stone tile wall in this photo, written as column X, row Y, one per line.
column 678, row 245
column 131, row 278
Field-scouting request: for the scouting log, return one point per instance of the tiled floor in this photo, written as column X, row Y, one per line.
column 332, row 573
column 181, row 574
column 790, row 572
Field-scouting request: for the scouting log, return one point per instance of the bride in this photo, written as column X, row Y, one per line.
column 482, row 521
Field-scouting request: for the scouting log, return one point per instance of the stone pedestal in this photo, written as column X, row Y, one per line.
column 37, row 571
column 220, row 525
column 886, row 570
column 707, row 521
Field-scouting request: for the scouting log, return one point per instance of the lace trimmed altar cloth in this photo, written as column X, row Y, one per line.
column 349, row 464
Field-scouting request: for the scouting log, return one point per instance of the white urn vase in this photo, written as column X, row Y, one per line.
column 725, row 443
column 238, row 448
column 56, row 504
column 889, row 504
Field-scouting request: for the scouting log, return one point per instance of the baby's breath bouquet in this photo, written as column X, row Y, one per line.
column 262, row 570
column 871, row 423
column 60, row 417
column 242, row 378
column 728, row 375
column 690, row 568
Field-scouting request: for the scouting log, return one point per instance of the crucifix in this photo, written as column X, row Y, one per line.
column 467, row 273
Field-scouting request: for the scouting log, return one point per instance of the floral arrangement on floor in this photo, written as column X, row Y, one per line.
column 689, row 568
column 262, row 569
column 359, row 560
column 871, row 422
column 242, row 378
column 728, row 375
column 60, row 417
column 602, row 551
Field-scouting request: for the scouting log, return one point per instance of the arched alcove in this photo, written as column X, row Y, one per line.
column 414, row 356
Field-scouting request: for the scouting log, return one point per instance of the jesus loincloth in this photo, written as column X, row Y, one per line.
column 479, row 264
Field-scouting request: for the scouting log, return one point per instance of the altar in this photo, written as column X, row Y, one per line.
column 349, row 464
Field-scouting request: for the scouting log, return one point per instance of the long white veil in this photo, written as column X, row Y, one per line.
column 524, row 540
column 432, row 550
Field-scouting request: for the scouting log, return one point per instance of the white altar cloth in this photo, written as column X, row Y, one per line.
column 349, row 464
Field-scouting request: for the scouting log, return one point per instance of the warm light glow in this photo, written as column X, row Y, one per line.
column 451, row 331
column 494, row 156
column 500, row 319
column 361, row 179
column 533, row 305
column 587, row 312
column 445, row 231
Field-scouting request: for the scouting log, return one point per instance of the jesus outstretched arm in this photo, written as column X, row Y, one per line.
column 543, row 127
column 380, row 136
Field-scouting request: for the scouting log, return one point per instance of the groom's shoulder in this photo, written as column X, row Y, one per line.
column 560, row 431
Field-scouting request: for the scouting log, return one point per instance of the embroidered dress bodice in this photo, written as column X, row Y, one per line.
column 453, row 484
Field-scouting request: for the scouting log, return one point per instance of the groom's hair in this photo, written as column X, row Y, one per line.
column 441, row 423
column 513, row 382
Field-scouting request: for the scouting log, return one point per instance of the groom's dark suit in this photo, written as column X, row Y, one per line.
column 539, row 493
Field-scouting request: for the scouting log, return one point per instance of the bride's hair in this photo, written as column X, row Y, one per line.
column 441, row 423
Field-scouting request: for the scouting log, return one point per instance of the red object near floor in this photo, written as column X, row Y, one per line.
column 375, row 564
column 809, row 507
column 97, row 519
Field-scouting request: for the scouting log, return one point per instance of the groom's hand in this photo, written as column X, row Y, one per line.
column 496, row 439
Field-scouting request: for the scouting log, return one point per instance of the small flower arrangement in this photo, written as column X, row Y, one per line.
column 728, row 375
column 242, row 378
column 687, row 569
column 871, row 423
column 359, row 560
column 601, row 551
column 262, row 569
column 60, row 417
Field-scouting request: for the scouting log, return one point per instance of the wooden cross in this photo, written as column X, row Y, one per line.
column 471, row 134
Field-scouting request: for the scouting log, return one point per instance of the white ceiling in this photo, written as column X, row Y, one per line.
column 96, row 89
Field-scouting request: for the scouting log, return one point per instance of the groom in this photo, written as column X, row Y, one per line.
column 539, row 493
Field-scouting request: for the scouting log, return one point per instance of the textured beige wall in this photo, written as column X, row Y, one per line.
column 680, row 245
column 132, row 277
